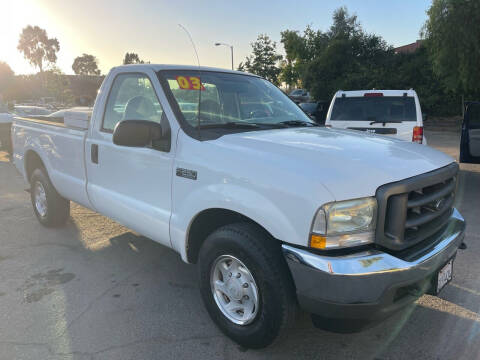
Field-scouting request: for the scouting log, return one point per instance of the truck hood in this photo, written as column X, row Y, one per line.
column 348, row 163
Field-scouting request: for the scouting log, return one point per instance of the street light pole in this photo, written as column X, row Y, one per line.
column 231, row 49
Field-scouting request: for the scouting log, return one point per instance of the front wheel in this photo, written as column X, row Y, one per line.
column 245, row 284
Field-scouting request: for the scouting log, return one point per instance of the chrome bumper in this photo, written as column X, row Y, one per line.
column 371, row 282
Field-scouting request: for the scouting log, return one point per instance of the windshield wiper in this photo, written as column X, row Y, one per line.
column 250, row 125
column 297, row 123
column 385, row 121
column 230, row 125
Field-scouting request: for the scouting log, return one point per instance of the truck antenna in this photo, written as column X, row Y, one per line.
column 199, row 77
column 193, row 44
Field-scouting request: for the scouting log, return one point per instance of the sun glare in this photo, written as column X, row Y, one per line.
column 18, row 14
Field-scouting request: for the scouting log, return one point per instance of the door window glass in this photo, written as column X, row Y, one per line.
column 132, row 97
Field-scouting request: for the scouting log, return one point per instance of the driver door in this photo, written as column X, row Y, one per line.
column 128, row 184
column 470, row 140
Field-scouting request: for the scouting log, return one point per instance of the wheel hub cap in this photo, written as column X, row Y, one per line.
column 234, row 290
column 40, row 199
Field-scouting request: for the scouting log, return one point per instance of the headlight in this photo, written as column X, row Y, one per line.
column 344, row 224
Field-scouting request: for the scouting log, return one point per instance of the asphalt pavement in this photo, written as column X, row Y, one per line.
column 95, row 290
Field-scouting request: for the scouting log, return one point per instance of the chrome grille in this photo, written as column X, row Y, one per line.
column 412, row 210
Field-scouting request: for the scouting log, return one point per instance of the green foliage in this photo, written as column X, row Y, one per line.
column 294, row 44
column 132, row 58
column 264, row 59
column 344, row 26
column 56, row 85
column 346, row 57
column 52, row 83
column 85, row 65
column 453, row 39
column 37, row 47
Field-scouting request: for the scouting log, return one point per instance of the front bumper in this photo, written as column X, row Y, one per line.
column 372, row 284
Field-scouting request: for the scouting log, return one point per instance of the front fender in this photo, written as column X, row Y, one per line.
column 236, row 198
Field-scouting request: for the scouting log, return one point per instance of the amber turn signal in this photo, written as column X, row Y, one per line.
column 318, row 241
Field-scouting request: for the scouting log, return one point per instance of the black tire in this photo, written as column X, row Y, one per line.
column 262, row 256
column 57, row 208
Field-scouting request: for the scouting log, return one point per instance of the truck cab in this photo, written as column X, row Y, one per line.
column 386, row 112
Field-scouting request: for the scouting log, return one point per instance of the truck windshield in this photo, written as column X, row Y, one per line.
column 382, row 108
column 226, row 100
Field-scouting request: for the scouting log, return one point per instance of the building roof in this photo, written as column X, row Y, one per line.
column 409, row 48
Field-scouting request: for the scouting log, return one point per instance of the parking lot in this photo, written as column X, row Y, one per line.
column 95, row 290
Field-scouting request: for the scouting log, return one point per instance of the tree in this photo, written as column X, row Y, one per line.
column 340, row 58
column 6, row 76
column 294, row 44
column 132, row 58
column 85, row 65
column 452, row 32
column 264, row 59
column 56, row 85
column 300, row 50
column 344, row 57
column 37, row 48
column 344, row 25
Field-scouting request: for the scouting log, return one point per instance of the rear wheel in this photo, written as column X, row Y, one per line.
column 245, row 284
column 51, row 209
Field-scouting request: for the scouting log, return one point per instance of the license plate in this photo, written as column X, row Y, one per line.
column 383, row 131
column 444, row 275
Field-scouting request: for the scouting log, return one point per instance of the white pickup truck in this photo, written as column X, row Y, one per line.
column 278, row 212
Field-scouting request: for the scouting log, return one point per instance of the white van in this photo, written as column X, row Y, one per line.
column 385, row 112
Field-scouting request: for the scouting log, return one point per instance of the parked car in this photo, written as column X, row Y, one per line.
column 300, row 95
column 470, row 139
column 316, row 110
column 276, row 210
column 5, row 125
column 387, row 112
column 28, row 110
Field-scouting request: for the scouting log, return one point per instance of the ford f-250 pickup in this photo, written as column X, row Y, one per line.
column 278, row 212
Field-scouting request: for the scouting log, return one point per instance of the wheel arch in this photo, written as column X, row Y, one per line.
column 207, row 221
column 32, row 161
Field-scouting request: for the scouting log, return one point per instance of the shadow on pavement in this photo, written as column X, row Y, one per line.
column 95, row 290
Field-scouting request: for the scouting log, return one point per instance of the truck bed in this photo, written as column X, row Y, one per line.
column 62, row 151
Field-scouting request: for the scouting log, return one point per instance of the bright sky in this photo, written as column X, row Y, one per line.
column 108, row 29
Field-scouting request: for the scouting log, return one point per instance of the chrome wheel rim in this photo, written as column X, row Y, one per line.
column 234, row 290
column 40, row 199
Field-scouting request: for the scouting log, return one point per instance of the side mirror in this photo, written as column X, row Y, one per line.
column 136, row 133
